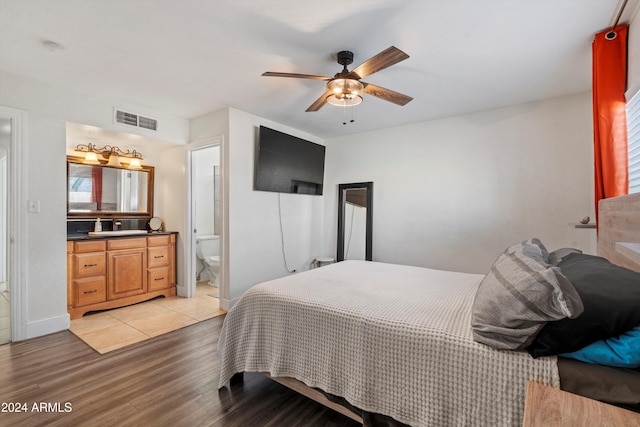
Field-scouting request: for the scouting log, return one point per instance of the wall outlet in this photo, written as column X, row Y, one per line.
column 33, row 206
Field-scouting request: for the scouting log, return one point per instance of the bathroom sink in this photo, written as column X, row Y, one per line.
column 117, row 233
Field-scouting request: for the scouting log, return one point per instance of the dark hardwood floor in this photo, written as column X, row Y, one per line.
column 168, row 380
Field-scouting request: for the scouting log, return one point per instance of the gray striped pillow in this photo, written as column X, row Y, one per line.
column 518, row 296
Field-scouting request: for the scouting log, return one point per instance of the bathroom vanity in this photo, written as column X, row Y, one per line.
column 104, row 273
column 112, row 261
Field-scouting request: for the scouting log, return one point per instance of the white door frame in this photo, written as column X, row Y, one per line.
column 4, row 220
column 17, row 202
column 190, row 241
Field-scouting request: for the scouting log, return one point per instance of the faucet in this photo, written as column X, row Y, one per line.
column 116, row 225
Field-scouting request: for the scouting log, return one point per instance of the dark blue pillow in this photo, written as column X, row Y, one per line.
column 611, row 298
column 621, row 352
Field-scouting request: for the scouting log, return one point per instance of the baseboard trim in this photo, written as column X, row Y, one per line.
column 48, row 326
column 181, row 291
column 227, row 304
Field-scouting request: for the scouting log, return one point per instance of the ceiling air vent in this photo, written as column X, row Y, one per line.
column 147, row 123
column 132, row 119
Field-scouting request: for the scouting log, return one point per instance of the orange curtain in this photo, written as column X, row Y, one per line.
column 609, row 116
column 96, row 187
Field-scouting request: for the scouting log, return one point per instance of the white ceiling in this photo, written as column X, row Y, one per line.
column 190, row 57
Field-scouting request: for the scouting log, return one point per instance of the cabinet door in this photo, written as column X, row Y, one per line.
column 127, row 273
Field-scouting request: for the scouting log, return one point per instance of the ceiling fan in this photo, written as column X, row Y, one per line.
column 346, row 89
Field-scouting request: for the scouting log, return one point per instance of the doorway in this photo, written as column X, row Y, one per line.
column 13, row 139
column 206, row 220
column 13, row 132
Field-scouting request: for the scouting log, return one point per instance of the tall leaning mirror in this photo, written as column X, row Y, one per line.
column 355, row 221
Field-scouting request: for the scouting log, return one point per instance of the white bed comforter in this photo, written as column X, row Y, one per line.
column 391, row 339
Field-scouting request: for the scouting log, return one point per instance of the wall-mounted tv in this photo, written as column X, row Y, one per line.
column 287, row 164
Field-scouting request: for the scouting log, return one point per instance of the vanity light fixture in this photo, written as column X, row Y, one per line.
column 91, row 158
column 114, row 161
column 135, row 164
column 112, row 153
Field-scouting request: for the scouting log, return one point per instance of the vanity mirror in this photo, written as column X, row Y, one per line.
column 108, row 192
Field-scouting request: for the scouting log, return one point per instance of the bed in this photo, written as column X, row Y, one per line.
column 376, row 343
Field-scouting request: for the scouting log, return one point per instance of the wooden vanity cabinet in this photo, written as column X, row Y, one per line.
column 115, row 272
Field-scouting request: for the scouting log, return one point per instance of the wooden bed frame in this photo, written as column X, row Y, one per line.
column 314, row 394
column 619, row 230
column 618, row 241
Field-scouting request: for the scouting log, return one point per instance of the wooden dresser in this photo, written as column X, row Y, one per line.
column 107, row 273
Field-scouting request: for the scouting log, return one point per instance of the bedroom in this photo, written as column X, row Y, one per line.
column 413, row 228
column 532, row 126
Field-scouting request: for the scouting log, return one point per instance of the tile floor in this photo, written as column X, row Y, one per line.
column 113, row 329
column 5, row 331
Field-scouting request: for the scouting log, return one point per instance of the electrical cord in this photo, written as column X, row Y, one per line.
column 284, row 256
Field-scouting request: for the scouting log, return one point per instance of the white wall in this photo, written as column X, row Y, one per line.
column 174, row 187
column 254, row 250
column 254, row 224
column 355, row 232
column 49, row 108
column 453, row 193
column 203, row 188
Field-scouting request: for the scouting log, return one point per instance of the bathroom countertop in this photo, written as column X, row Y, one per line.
column 85, row 236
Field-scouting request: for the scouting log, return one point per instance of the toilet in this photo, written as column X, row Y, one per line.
column 208, row 252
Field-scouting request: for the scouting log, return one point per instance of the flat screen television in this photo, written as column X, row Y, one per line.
column 287, row 164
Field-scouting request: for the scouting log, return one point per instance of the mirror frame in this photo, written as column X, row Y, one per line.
column 97, row 214
column 341, row 206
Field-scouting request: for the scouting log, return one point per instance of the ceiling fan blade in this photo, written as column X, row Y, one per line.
column 299, row 76
column 384, row 59
column 318, row 103
column 386, row 94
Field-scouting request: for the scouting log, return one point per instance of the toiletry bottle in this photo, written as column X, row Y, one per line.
column 98, row 226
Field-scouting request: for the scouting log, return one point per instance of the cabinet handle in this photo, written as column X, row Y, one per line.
column 91, row 292
column 159, row 256
column 90, row 265
column 158, row 278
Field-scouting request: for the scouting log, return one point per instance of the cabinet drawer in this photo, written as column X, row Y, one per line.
column 115, row 244
column 90, row 291
column 90, row 246
column 159, row 240
column 87, row 265
column 158, row 256
column 158, row 278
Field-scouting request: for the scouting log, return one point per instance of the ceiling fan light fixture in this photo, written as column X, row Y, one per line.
column 345, row 92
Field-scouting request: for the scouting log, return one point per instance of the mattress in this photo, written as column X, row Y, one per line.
column 389, row 339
